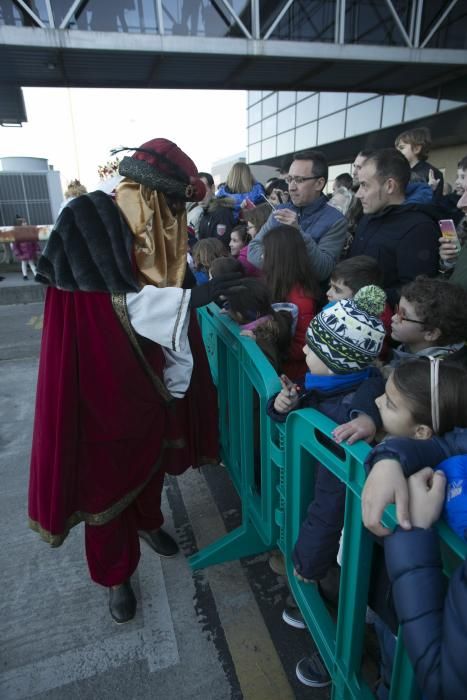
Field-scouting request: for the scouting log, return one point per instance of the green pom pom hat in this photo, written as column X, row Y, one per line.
column 348, row 335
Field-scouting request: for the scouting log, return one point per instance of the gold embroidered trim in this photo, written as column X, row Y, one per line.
column 106, row 515
column 121, row 311
column 177, row 321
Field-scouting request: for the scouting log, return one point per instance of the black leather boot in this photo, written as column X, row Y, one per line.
column 160, row 541
column 122, row 603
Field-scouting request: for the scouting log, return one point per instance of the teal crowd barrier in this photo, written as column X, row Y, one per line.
column 308, row 440
column 275, row 498
column 245, row 381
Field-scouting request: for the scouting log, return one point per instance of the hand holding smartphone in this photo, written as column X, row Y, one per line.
column 448, row 231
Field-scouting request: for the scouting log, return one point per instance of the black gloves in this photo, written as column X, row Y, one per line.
column 205, row 293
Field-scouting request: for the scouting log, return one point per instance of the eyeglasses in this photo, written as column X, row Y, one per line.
column 402, row 317
column 298, row 179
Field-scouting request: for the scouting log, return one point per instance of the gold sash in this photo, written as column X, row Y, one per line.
column 160, row 237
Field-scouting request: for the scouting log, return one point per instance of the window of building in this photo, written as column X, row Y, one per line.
column 307, row 110
column 416, row 107
column 254, row 133
column 254, row 113
column 305, row 136
column 330, row 102
column 286, row 119
column 354, row 98
column 286, row 98
column 393, row 109
column 270, row 105
column 268, row 149
column 449, row 104
column 269, row 127
column 364, row 117
column 254, row 152
column 331, row 128
column 285, row 142
column 254, row 96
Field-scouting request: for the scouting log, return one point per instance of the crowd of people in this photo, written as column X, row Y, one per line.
column 359, row 301
column 376, row 300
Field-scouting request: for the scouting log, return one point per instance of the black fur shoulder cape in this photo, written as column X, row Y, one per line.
column 89, row 249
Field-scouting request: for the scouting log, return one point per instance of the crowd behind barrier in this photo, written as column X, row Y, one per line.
column 274, row 506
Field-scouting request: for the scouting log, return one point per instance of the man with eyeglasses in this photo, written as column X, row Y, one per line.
column 402, row 237
column 323, row 227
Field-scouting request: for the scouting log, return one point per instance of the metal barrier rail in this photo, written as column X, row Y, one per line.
column 274, row 509
column 245, row 380
column 308, row 440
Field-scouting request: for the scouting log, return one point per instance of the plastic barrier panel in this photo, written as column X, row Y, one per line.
column 245, row 381
column 308, row 441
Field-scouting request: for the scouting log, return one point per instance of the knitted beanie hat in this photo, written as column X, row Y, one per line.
column 161, row 165
column 348, row 335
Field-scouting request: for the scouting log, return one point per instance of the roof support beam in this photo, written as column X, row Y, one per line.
column 281, row 14
column 437, row 25
column 30, row 12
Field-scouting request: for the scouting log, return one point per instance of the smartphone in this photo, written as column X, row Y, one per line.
column 448, row 229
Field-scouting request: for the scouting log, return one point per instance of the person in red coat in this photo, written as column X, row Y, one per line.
column 123, row 375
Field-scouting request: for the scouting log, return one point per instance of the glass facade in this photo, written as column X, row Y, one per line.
column 307, row 120
column 366, row 21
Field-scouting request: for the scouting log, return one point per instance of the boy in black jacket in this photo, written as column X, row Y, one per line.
column 342, row 341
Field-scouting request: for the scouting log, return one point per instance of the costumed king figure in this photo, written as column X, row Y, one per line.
column 123, row 375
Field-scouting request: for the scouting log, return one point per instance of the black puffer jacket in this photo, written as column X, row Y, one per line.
column 220, row 210
column 404, row 241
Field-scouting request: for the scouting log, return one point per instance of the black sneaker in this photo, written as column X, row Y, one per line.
column 160, row 541
column 312, row 672
column 293, row 617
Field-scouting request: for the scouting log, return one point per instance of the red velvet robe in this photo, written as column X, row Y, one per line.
column 102, row 428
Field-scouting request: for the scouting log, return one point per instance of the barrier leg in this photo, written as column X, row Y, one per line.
column 244, row 541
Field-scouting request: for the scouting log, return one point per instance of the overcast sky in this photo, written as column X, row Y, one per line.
column 76, row 128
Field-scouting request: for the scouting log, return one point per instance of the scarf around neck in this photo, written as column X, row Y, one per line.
column 328, row 383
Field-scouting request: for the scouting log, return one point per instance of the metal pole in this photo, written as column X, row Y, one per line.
column 50, row 14
column 278, row 18
column 32, row 14
column 418, row 24
column 74, row 8
column 340, row 7
column 237, row 19
column 255, row 19
column 399, row 23
column 160, row 17
column 438, row 23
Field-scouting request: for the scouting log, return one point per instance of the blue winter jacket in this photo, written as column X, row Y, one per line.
column 418, row 193
column 256, row 195
column 323, row 228
column 413, row 455
column 317, row 545
column 434, row 624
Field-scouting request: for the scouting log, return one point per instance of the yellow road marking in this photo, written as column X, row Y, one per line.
column 257, row 664
column 36, row 322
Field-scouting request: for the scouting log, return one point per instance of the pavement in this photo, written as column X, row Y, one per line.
column 15, row 290
column 215, row 634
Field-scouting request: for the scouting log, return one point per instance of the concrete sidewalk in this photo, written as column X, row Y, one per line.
column 216, row 634
column 15, row 290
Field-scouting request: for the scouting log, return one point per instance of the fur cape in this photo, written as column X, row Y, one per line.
column 89, row 249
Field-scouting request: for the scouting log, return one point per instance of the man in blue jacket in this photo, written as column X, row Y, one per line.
column 324, row 228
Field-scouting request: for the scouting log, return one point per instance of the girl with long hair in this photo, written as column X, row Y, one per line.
column 290, row 278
